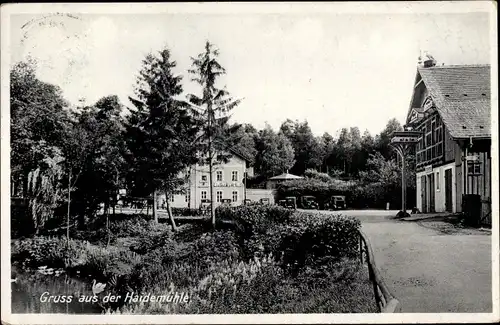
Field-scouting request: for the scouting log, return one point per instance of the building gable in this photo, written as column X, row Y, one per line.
column 422, row 104
column 460, row 94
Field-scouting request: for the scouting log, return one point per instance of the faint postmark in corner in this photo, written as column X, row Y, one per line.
column 58, row 44
column 53, row 20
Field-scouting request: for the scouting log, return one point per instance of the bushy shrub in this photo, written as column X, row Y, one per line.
column 365, row 196
column 317, row 237
column 108, row 264
column 191, row 232
column 136, row 227
column 151, row 242
column 53, row 252
column 254, row 224
column 311, row 238
column 164, row 261
column 314, row 174
column 216, row 246
column 101, row 263
column 255, row 218
column 120, row 226
column 100, row 236
column 296, row 238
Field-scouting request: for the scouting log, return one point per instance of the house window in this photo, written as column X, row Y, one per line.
column 438, row 181
column 203, row 195
column 186, row 198
column 235, row 196
column 434, row 133
column 219, row 196
column 234, row 176
column 423, row 137
column 203, row 178
column 219, row 176
column 428, row 140
column 474, row 168
column 172, row 198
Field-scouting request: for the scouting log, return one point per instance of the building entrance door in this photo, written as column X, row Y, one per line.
column 431, row 191
column 423, row 193
column 447, row 190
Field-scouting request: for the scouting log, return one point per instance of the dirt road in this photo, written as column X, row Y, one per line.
column 427, row 270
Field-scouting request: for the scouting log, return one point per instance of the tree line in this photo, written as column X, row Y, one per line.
column 294, row 148
column 68, row 161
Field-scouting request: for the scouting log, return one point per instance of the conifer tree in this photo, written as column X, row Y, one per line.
column 161, row 132
column 213, row 108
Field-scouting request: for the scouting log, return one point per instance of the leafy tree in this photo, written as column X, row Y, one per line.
column 247, row 136
column 288, row 127
column 355, row 157
column 39, row 121
column 367, row 148
column 213, row 108
column 327, row 143
column 343, row 149
column 367, row 142
column 97, row 152
column 275, row 153
column 308, row 153
column 161, row 132
column 381, row 170
column 314, row 174
column 383, row 140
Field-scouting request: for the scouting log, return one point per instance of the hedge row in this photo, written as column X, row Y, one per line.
column 295, row 238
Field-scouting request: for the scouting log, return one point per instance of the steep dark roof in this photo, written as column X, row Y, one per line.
column 461, row 94
column 239, row 152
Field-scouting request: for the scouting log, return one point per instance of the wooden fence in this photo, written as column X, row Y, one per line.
column 386, row 302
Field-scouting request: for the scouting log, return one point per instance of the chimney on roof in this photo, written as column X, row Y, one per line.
column 429, row 61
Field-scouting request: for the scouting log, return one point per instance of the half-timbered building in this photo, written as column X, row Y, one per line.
column 451, row 108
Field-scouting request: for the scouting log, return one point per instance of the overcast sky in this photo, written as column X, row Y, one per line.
column 335, row 70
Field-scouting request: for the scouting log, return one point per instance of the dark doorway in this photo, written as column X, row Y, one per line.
column 447, row 190
column 432, row 192
column 423, row 194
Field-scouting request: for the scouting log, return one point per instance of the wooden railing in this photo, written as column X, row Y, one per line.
column 386, row 302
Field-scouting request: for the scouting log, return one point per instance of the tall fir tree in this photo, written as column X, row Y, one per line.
column 213, row 108
column 161, row 132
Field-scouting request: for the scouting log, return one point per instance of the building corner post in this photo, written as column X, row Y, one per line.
column 403, row 183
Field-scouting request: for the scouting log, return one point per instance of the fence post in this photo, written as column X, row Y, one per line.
column 383, row 298
column 375, row 287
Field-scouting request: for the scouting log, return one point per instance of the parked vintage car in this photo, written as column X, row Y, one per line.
column 289, row 202
column 336, row 202
column 308, row 202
